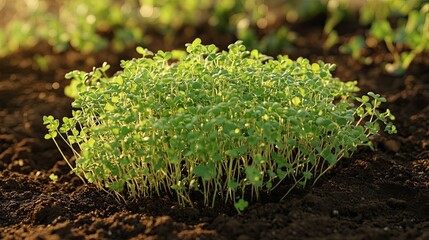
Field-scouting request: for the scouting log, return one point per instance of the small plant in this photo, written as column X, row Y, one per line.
column 403, row 26
column 226, row 125
column 53, row 177
column 281, row 39
column 83, row 25
column 409, row 38
column 354, row 47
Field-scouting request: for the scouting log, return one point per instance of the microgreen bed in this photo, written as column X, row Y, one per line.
column 224, row 124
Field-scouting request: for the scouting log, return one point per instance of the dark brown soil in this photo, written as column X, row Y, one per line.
column 382, row 194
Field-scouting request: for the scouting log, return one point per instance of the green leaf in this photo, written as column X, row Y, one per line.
column 108, row 107
column 53, row 177
column 232, row 184
column 48, row 119
column 143, row 51
column 307, row 175
column 233, row 153
column 91, row 142
column 354, row 46
column 259, row 159
column 241, row 205
column 328, row 156
column 254, row 176
column 323, row 122
column 381, row 30
column 206, row 172
column 296, row 101
column 48, row 136
column 117, row 186
column 315, row 67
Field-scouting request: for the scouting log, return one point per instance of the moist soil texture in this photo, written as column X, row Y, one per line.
column 381, row 194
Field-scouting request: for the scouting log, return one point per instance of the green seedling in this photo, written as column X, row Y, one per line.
column 355, row 47
column 281, row 39
column 89, row 26
column 82, row 25
column 53, row 177
column 225, row 125
column 42, row 62
column 406, row 41
column 408, row 38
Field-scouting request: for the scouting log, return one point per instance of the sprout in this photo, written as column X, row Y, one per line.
column 165, row 128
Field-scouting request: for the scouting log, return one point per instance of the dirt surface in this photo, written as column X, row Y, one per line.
column 373, row 195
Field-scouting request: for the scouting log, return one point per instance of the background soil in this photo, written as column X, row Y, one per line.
column 373, row 195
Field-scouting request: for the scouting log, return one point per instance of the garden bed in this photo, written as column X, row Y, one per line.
column 382, row 194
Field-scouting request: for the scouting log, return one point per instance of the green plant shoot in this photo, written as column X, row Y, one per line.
column 227, row 125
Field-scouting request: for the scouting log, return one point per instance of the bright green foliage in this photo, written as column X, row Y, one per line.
column 412, row 33
column 53, row 177
column 89, row 26
column 375, row 10
column 403, row 26
column 354, row 47
column 241, row 18
column 79, row 24
column 225, row 124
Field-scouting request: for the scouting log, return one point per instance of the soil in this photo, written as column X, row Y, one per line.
column 382, row 194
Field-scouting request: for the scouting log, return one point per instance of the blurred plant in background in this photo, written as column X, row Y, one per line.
column 402, row 26
column 404, row 38
column 88, row 26
column 83, row 25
